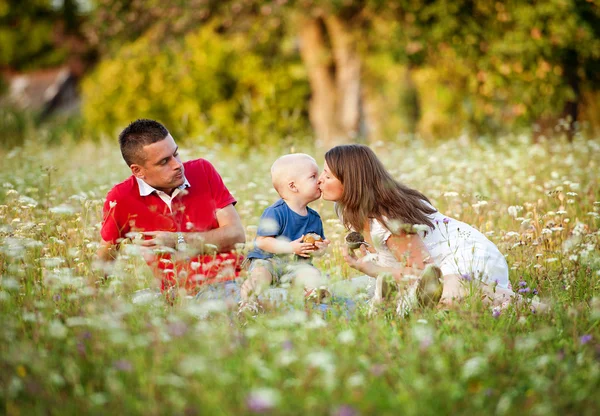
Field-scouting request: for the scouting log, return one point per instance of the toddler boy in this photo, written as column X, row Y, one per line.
column 283, row 225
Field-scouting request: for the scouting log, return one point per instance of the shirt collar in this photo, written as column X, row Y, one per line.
column 146, row 189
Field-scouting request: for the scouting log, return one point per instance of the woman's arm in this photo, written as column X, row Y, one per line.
column 408, row 249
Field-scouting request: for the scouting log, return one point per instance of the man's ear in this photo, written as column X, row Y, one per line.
column 137, row 171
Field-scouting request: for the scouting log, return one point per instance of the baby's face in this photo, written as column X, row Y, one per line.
column 306, row 181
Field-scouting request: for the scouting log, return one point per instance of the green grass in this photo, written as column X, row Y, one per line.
column 73, row 342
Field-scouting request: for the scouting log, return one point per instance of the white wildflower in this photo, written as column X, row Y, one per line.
column 193, row 364
column 474, row 367
column 355, row 380
column 25, row 200
column 321, row 359
column 57, row 330
column 62, row 209
column 346, row 337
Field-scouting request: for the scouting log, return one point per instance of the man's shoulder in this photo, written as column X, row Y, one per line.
column 277, row 208
column 123, row 189
column 197, row 164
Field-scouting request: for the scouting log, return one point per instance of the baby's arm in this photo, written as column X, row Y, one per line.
column 276, row 246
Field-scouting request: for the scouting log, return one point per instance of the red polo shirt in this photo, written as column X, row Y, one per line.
column 193, row 210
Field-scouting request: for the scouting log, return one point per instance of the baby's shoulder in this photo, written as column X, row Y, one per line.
column 277, row 208
column 313, row 212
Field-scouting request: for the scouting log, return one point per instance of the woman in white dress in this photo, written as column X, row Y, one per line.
column 404, row 231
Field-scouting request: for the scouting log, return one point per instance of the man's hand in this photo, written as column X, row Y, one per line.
column 158, row 239
column 302, row 249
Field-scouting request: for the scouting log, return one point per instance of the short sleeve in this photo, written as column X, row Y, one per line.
column 270, row 224
column 112, row 230
column 322, row 231
column 220, row 193
column 319, row 227
column 379, row 232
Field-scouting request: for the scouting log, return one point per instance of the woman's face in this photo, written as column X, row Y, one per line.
column 330, row 186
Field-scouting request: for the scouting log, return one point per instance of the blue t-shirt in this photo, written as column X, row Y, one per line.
column 280, row 221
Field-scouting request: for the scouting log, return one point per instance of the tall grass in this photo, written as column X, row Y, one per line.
column 71, row 340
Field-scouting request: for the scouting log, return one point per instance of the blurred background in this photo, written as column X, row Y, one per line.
column 252, row 73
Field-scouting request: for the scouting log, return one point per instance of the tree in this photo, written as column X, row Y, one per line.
column 38, row 33
column 508, row 63
column 519, row 62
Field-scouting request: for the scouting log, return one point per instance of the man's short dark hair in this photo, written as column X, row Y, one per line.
column 138, row 134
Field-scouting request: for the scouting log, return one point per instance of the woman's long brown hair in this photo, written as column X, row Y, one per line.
column 371, row 192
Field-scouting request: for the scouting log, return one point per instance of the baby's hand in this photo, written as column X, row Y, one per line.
column 321, row 247
column 302, row 249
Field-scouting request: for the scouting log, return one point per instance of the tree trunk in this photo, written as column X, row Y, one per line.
column 347, row 72
column 333, row 65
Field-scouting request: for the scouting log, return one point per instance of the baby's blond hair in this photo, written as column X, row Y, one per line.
column 287, row 168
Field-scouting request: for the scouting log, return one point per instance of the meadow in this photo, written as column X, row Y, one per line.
column 73, row 342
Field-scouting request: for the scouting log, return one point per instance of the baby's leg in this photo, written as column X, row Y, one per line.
column 310, row 279
column 259, row 278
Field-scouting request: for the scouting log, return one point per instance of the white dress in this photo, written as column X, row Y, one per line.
column 457, row 248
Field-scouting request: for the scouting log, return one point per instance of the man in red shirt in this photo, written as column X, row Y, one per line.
column 181, row 211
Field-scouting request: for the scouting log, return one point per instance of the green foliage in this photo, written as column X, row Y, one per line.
column 207, row 86
column 16, row 126
column 27, row 34
column 512, row 62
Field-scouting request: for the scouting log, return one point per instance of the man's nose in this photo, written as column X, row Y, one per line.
column 176, row 163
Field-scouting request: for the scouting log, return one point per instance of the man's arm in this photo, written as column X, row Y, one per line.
column 229, row 233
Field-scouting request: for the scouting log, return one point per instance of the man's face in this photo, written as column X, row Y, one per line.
column 161, row 168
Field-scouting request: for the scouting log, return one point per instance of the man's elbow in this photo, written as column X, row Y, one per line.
column 239, row 236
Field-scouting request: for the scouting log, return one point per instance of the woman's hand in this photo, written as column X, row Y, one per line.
column 363, row 263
